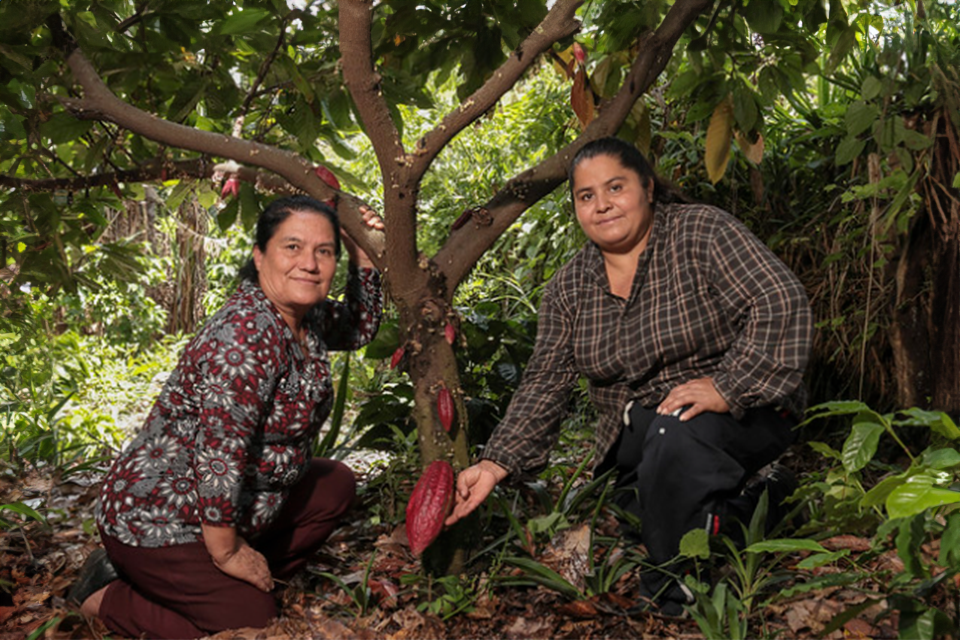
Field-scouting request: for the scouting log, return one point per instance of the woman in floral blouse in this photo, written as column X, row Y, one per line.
column 218, row 493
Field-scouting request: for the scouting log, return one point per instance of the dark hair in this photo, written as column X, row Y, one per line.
column 274, row 215
column 631, row 158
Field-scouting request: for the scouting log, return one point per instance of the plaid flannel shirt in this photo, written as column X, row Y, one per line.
column 708, row 299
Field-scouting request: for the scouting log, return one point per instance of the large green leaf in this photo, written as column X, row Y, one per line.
column 848, row 149
column 764, row 16
column 917, row 495
column 63, row 127
column 861, row 445
column 243, row 21
column 860, row 117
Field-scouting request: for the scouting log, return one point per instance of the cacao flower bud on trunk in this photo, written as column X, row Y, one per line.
column 396, row 358
column 429, row 505
column 579, row 53
column 450, row 333
column 445, row 408
column 230, row 188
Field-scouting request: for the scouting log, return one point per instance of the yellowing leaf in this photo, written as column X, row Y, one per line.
column 581, row 98
column 752, row 150
column 719, row 135
column 641, row 116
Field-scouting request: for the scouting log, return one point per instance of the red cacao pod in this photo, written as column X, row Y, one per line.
column 462, row 220
column 327, row 176
column 450, row 333
column 429, row 505
column 396, row 358
column 445, row 408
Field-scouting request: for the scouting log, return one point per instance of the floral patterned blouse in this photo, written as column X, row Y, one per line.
column 234, row 426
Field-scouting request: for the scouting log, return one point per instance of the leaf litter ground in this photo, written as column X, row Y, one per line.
column 39, row 562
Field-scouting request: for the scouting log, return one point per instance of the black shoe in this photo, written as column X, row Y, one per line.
column 667, row 601
column 96, row 573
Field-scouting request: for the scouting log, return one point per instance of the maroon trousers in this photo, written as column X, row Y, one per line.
column 177, row 592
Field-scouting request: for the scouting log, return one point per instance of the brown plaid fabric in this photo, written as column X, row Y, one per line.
column 709, row 299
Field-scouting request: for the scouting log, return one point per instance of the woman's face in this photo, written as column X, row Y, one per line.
column 613, row 205
column 297, row 267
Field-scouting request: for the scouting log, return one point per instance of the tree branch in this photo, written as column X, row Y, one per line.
column 363, row 82
column 265, row 66
column 99, row 103
column 197, row 168
column 466, row 245
column 399, row 194
column 559, row 23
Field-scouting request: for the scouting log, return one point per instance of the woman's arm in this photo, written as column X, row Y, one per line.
column 765, row 364
column 348, row 325
column 525, row 436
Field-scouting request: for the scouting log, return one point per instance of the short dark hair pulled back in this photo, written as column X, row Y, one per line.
column 274, row 215
column 631, row 158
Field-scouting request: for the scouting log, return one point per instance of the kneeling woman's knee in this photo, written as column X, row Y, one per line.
column 338, row 481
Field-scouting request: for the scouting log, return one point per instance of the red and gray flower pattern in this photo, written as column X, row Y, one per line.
column 234, row 425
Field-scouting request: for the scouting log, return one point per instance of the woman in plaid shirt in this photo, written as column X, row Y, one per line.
column 693, row 336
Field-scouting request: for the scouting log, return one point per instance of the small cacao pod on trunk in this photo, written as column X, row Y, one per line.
column 445, row 408
column 396, row 358
column 450, row 333
column 327, row 176
column 429, row 505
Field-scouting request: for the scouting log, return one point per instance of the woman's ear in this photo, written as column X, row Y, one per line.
column 257, row 257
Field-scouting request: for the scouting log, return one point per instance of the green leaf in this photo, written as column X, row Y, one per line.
column 744, row 108
column 825, row 450
column 836, row 408
column 228, row 215
column 545, row 576
column 249, row 205
column 23, row 510
column 871, row 87
column 935, row 420
column 940, row 459
column 950, row 542
column 786, row 545
column 242, row 21
column 861, row 445
column 336, row 418
column 848, row 149
column 63, row 127
column 818, row 560
column 764, row 16
column 917, row 627
column 881, row 491
column 844, row 44
column 917, row 495
column 860, row 116
column 908, row 540
column 695, row 544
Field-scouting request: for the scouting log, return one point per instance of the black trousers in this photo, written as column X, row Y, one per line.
column 680, row 476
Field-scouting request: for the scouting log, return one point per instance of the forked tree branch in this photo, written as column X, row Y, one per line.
column 559, row 23
column 466, row 245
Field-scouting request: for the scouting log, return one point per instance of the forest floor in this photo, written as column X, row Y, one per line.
column 38, row 562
